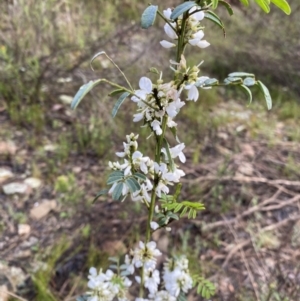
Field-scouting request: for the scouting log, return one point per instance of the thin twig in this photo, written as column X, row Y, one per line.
column 15, row 296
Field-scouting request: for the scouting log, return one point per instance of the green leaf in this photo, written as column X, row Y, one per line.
column 140, row 176
column 132, row 184
column 117, row 192
column 283, row 5
column 210, row 82
column 249, row 81
column 154, row 70
column 263, row 5
column 245, row 2
column 170, row 159
column 227, row 6
column 174, row 132
column 215, row 3
column 215, row 19
column 182, row 8
column 119, row 103
column 149, row 16
column 114, row 177
column 248, row 91
column 178, row 207
column 241, row 74
column 83, row 90
column 266, row 93
column 116, row 92
column 101, row 192
column 183, row 211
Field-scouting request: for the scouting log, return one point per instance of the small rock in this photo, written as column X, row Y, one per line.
column 245, row 168
column 33, row 182
column 248, row 150
column 23, row 229
column 66, row 99
column 13, row 188
column 42, row 209
column 5, row 174
column 7, row 148
column 4, row 296
column 29, row 243
column 50, row 147
column 223, row 135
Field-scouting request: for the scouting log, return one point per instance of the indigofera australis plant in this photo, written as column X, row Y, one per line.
column 148, row 180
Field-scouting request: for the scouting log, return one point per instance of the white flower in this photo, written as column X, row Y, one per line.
column 167, row 13
column 142, row 194
column 170, row 31
column 176, row 151
column 152, row 281
column 193, row 93
column 197, row 40
column 144, row 255
column 174, row 176
column 129, row 266
column 164, row 296
column 138, row 117
column 167, row 44
column 174, row 107
column 141, row 299
column 198, row 16
column 176, row 276
column 154, row 225
column 155, row 124
column 145, row 85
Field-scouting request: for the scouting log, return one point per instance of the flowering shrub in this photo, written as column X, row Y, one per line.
column 142, row 179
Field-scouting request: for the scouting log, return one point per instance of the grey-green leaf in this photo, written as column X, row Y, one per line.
column 140, row 176
column 95, row 56
column 117, row 192
column 267, row 95
column 240, row 74
column 83, row 90
column 210, row 82
column 132, row 184
column 182, row 8
column 249, row 81
column 248, row 91
column 119, row 103
column 114, row 177
column 149, row 16
column 100, row 193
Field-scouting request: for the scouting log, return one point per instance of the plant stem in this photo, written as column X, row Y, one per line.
column 159, row 139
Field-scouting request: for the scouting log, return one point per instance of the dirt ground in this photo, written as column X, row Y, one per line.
column 247, row 241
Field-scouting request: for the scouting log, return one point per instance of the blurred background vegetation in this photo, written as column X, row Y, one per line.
column 45, row 50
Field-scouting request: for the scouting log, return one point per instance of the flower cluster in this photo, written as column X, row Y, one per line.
column 193, row 33
column 136, row 162
column 107, row 286
column 175, row 277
